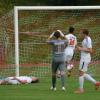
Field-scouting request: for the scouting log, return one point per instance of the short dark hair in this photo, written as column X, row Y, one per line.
column 57, row 34
column 85, row 31
column 36, row 81
column 71, row 29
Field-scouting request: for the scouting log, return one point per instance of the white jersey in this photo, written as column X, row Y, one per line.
column 86, row 43
column 11, row 80
column 72, row 41
column 69, row 50
column 25, row 78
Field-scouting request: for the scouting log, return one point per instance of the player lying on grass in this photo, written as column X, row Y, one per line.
column 86, row 51
column 19, row 80
column 69, row 50
column 58, row 46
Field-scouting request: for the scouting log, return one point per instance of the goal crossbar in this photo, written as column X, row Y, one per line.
column 55, row 7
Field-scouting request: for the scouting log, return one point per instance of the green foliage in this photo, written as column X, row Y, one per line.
column 5, row 6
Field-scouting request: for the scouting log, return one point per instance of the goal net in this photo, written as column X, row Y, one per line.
column 26, row 51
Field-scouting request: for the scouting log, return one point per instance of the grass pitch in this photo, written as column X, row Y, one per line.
column 41, row 91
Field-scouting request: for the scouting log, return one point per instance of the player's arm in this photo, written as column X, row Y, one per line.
column 21, row 81
column 89, row 50
column 50, row 37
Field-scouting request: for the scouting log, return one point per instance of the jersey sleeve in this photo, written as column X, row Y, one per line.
column 51, row 42
column 89, row 43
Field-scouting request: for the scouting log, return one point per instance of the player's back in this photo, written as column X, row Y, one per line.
column 58, row 47
column 72, row 41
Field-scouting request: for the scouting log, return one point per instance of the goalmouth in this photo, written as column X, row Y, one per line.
column 16, row 24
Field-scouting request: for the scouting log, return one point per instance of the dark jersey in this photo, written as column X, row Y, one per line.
column 58, row 47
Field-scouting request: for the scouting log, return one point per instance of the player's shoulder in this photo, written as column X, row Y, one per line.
column 61, row 41
column 64, row 41
column 70, row 35
column 73, row 35
column 67, row 35
column 88, row 39
column 51, row 41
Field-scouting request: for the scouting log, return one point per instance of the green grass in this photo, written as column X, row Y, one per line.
column 41, row 91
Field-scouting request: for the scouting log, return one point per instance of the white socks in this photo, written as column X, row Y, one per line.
column 88, row 77
column 81, row 82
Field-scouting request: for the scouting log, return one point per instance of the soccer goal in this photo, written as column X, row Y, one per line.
column 27, row 52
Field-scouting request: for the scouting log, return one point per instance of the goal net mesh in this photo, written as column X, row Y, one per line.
column 34, row 28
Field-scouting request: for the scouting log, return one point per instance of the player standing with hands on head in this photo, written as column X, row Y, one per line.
column 69, row 50
column 58, row 46
column 86, row 51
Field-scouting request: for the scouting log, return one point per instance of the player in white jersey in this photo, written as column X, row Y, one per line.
column 19, row 80
column 86, row 51
column 69, row 50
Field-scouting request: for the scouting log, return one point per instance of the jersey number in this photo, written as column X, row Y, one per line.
column 71, row 42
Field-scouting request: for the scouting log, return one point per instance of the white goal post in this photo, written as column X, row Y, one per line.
column 16, row 28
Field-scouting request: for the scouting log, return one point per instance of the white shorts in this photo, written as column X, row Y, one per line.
column 68, row 55
column 10, row 80
column 84, row 65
